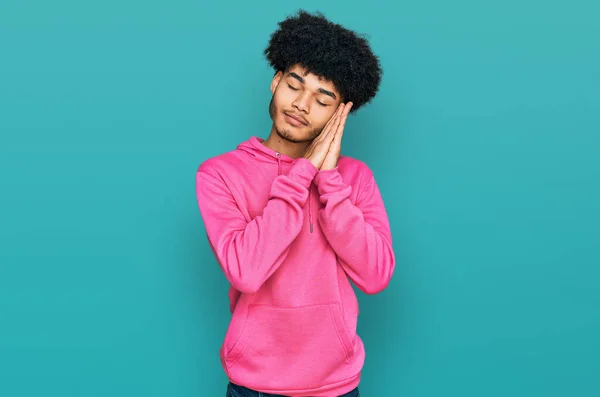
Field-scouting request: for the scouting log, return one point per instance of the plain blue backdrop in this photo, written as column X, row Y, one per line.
column 484, row 139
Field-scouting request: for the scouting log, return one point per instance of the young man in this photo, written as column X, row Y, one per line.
column 291, row 222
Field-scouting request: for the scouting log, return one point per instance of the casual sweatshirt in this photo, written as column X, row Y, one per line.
column 289, row 238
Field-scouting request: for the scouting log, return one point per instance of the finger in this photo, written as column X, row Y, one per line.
column 341, row 120
column 336, row 143
column 340, row 130
column 337, row 112
column 333, row 116
column 328, row 127
column 334, row 129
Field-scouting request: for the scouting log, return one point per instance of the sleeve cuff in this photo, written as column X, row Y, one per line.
column 303, row 172
column 329, row 181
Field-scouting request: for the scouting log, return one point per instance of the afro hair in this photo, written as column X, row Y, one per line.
column 328, row 50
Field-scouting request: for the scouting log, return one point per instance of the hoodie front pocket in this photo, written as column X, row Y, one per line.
column 295, row 347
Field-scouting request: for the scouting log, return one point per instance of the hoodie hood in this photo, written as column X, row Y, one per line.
column 255, row 147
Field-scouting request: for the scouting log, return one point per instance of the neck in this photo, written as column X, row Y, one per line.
column 283, row 146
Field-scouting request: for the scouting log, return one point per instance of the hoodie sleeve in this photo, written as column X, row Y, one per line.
column 359, row 234
column 249, row 252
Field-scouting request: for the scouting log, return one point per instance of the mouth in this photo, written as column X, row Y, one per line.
column 294, row 120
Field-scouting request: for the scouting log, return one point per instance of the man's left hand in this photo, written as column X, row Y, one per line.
column 333, row 155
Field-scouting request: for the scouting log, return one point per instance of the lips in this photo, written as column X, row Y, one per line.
column 297, row 118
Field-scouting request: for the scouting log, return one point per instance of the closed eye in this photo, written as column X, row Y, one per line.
column 319, row 102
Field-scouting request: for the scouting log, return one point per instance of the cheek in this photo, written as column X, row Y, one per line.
column 283, row 96
column 279, row 101
column 325, row 116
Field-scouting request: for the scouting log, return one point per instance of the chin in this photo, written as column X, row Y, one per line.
column 290, row 135
column 290, row 132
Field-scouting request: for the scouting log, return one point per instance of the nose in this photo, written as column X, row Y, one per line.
column 302, row 102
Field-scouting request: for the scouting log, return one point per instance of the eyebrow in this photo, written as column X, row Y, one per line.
column 321, row 90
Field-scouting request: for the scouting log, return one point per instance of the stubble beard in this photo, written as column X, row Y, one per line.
column 286, row 133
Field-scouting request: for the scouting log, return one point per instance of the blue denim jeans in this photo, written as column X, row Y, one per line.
column 234, row 390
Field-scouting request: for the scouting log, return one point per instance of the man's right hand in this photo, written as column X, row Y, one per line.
column 318, row 148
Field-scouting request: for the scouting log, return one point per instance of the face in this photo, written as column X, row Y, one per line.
column 305, row 96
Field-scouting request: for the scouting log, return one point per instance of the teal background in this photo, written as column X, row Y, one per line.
column 484, row 139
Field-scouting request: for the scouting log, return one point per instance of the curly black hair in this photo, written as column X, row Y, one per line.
column 328, row 50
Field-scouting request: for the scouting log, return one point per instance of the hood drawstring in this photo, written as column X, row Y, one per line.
column 309, row 208
column 278, row 163
column 309, row 191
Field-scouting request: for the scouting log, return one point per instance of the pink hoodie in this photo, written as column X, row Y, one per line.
column 288, row 247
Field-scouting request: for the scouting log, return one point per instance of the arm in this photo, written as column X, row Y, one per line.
column 359, row 234
column 249, row 252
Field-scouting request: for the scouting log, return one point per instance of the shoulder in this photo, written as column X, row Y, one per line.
column 220, row 163
column 354, row 167
column 355, row 172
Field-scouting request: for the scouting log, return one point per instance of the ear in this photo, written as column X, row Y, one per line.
column 276, row 80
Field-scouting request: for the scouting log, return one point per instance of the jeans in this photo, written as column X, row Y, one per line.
column 234, row 390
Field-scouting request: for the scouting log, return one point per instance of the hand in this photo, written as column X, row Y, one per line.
column 318, row 148
column 331, row 160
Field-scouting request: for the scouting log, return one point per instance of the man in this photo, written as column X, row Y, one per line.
column 291, row 222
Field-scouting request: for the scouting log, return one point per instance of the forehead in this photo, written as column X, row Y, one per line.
column 312, row 79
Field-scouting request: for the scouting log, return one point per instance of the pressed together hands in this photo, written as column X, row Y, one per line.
column 324, row 150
